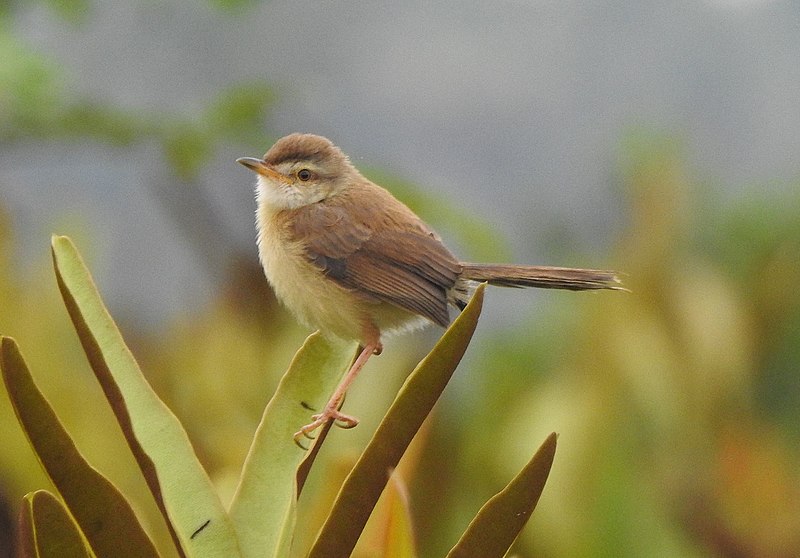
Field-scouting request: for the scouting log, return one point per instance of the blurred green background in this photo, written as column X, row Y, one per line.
column 676, row 404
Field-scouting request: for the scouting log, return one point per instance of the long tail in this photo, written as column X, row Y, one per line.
column 544, row 277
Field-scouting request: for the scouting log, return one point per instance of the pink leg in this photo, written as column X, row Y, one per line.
column 331, row 410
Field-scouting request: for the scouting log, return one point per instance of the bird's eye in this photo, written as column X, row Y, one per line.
column 304, row 175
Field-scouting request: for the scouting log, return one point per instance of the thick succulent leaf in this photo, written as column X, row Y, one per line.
column 498, row 523
column 304, row 469
column 103, row 513
column 46, row 529
column 197, row 520
column 413, row 403
column 264, row 507
column 399, row 529
column 394, row 521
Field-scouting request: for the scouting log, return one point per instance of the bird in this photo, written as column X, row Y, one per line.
column 348, row 258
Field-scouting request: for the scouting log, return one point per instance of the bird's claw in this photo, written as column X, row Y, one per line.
column 329, row 414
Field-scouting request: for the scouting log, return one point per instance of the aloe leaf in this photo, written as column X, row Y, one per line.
column 195, row 516
column 413, row 403
column 26, row 532
column 263, row 509
column 304, row 469
column 103, row 513
column 498, row 523
column 398, row 531
column 46, row 529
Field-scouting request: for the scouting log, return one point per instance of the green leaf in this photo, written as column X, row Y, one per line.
column 102, row 512
column 413, row 403
column 197, row 520
column 264, row 506
column 398, row 531
column 187, row 147
column 90, row 119
column 73, row 11
column 240, row 111
column 498, row 523
column 46, row 530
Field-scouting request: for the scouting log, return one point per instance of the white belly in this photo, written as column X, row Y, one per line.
column 315, row 300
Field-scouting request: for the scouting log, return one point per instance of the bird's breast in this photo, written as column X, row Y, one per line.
column 302, row 287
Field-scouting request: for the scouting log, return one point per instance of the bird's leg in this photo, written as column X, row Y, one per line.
column 331, row 410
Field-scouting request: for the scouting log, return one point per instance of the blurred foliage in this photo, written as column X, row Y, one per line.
column 36, row 102
column 677, row 404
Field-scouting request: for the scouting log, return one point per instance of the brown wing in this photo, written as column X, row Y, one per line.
column 328, row 231
column 407, row 268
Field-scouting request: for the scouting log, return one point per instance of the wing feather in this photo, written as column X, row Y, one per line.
column 409, row 268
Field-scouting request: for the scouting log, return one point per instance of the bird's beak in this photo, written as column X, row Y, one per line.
column 260, row 167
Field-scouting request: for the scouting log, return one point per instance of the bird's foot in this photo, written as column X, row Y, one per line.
column 330, row 413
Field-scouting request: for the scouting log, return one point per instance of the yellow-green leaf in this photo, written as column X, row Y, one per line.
column 413, row 403
column 264, row 506
column 103, row 513
column 46, row 529
column 498, row 523
column 198, row 522
column 389, row 531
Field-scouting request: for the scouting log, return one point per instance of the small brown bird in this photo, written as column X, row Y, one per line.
column 348, row 258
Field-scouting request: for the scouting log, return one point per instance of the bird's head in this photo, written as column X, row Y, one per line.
column 300, row 169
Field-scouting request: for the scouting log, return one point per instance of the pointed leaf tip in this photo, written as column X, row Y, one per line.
column 500, row 521
column 264, row 507
column 46, row 530
column 177, row 480
column 103, row 513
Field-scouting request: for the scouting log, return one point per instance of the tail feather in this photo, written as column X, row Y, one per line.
column 544, row 277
